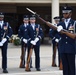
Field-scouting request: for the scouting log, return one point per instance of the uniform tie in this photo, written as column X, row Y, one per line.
column 1, row 23
column 66, row 20
column 33, row 26
column 25, row 25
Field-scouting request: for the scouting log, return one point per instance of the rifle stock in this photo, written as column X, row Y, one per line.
column 28, row 60
column 54, row 56
column 22, row 62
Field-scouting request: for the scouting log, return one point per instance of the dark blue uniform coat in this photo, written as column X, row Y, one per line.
column 32, row 35
column 23, row 34
column 67, row 50
column 8, row 32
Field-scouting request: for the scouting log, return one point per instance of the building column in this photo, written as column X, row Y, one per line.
column 55, row 9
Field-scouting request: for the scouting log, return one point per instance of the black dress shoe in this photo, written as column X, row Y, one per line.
column 22, row 66
column 5, row 71
column 54, row 65
column 38, row 69
column 28, row 70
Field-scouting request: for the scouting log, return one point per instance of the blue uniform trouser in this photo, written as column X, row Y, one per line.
column 37, row 56
column 75, row 64
column 4, row 55
column 68, row 61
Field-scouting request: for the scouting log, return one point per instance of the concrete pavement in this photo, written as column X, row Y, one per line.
column 45, row 62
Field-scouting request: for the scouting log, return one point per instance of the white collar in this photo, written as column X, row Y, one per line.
column 25, row 24
column 67, row 20
column 33, row 24
column 1, row 22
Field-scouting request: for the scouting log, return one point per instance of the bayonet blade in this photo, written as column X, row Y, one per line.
column 31, row 11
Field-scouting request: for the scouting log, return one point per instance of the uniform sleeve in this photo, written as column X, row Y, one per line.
column 10, row 32
column 40, row 36
column 57, row 36
column 52, row 33
column 75, row 28
column 20, row 33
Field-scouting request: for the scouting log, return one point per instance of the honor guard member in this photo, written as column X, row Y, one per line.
column 5, row 34
column 55, row 40
column 24, row 36
column 35, row 34
column 67, row 44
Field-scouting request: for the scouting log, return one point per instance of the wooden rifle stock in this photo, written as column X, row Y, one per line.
column 54, row 56
column 22, row 62
column 29, row 58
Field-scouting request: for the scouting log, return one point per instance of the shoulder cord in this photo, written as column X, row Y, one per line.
column 74, row 26
column 37, row 31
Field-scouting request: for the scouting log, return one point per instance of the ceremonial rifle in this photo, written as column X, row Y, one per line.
column 30, row 53
column 28, row 59
column 22, row 62
column 71, row 35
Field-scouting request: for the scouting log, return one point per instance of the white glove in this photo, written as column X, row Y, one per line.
column 59, row 28
column 36, row 40
column 1, row 44
column 24, row 40
column 33, row 42
column 56, row 40
column 4, row 40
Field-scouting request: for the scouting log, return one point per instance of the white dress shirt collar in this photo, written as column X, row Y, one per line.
column 67, row 22
column 33, row 25
column 1, row 23
column 25, row 24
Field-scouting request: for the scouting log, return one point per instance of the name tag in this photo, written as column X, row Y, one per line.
column 25, row 29
column 71, row 29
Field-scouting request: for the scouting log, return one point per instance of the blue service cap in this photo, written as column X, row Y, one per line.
column 56, row 18
column 26, row 17
column 66, row 9
column 1, row 14
column 32, row 17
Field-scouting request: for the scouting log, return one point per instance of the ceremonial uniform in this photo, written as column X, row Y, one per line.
column 24, row 36
column 5, row 34
column 67, row 44
column 55, row 40
column 35, row 34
